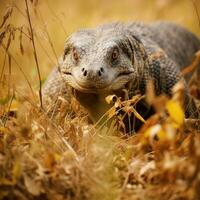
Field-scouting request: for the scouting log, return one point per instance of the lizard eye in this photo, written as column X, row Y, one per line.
column 115, row 54
column 66, row 51
column 75, row 55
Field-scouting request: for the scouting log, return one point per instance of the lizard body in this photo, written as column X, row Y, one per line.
column 106, row 59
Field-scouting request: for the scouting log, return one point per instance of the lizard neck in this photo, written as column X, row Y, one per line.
column 95, row 104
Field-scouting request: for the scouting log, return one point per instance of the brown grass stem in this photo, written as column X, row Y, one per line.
column 34, row 52
column 3, row 67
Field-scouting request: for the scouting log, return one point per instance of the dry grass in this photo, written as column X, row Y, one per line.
column 68, row 158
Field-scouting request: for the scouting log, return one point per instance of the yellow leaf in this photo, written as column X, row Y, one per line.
column 7, row 182
column 155, row 132
column 161, row 134
column 16, row 171
column 14, row 106
column 152, row 131
column 3, row 130
column 175, row 112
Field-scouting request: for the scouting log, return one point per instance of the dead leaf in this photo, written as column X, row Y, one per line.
column 32, row 186
column 111, row 99
column 175, row 111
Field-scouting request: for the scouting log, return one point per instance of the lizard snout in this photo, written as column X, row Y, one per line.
column 92, row 74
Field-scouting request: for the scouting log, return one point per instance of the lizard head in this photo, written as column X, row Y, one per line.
column 101, row 60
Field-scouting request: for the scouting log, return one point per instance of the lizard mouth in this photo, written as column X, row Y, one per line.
column 119, row 82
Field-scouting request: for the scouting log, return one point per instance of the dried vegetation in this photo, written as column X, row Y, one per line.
column 66, row 157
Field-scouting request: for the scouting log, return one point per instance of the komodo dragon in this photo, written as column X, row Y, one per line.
column 106, row 59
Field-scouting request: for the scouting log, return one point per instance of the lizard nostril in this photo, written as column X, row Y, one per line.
column 101, row 69
column 85, row 73
column 99, row 72
column 83, row 69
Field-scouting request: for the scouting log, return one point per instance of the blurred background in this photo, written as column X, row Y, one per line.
column 54, row 20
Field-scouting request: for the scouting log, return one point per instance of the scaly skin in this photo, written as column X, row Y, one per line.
column 105, row 60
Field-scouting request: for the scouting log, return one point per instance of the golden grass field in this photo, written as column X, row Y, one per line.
column 64, row 157
column 62, row 17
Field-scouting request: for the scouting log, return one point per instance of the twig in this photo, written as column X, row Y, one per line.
column 34, row 52
column 9, row 75
column 9, row 107
column 3, row 67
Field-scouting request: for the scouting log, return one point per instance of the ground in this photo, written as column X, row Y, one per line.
column 66, row 157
